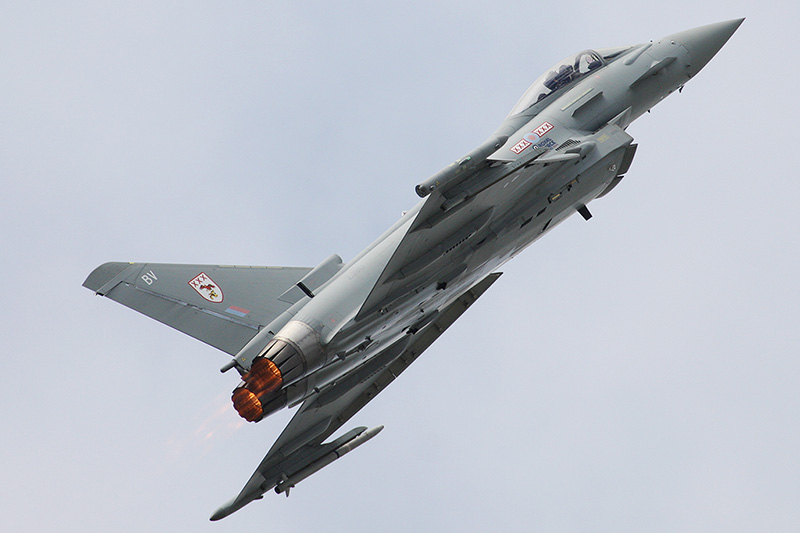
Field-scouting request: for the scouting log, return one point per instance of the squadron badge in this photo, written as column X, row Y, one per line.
column 206, row 288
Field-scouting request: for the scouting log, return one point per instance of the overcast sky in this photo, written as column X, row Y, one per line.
column 637, row 372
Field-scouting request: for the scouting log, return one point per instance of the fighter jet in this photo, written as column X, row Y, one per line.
column 330, row 338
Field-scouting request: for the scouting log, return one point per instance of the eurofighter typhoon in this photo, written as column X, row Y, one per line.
column 330, row 338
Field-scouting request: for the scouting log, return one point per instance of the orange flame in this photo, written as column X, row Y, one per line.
column 263, row 377
column 247, row 404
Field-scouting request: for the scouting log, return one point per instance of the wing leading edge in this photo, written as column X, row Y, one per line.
column 223, row 306
column 300, row 448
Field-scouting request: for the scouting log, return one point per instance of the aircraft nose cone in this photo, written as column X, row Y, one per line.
column 704, row 42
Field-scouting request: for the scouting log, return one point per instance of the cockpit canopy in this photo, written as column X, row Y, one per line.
column 562, row 74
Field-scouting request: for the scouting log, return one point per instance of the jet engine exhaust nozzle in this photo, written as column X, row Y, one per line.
column 262, row 390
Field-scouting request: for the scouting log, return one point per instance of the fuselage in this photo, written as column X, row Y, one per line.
column 576, row 117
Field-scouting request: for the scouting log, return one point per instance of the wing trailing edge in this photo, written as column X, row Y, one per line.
column 300, row 448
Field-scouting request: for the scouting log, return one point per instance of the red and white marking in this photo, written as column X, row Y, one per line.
column 206, row 288
column 532, row 137
column 520, row 146
column 543, row 129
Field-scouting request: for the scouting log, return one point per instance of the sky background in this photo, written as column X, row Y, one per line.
column 637, row 372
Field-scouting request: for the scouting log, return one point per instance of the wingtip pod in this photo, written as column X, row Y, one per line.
column 219, row 514
column 225, row 510
column 232, row 506
column 103, row 275
column 310, row 460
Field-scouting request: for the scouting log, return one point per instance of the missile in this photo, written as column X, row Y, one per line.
column 461, row 169
column 290, row 481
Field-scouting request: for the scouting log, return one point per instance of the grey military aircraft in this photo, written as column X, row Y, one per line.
column 330, row 338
